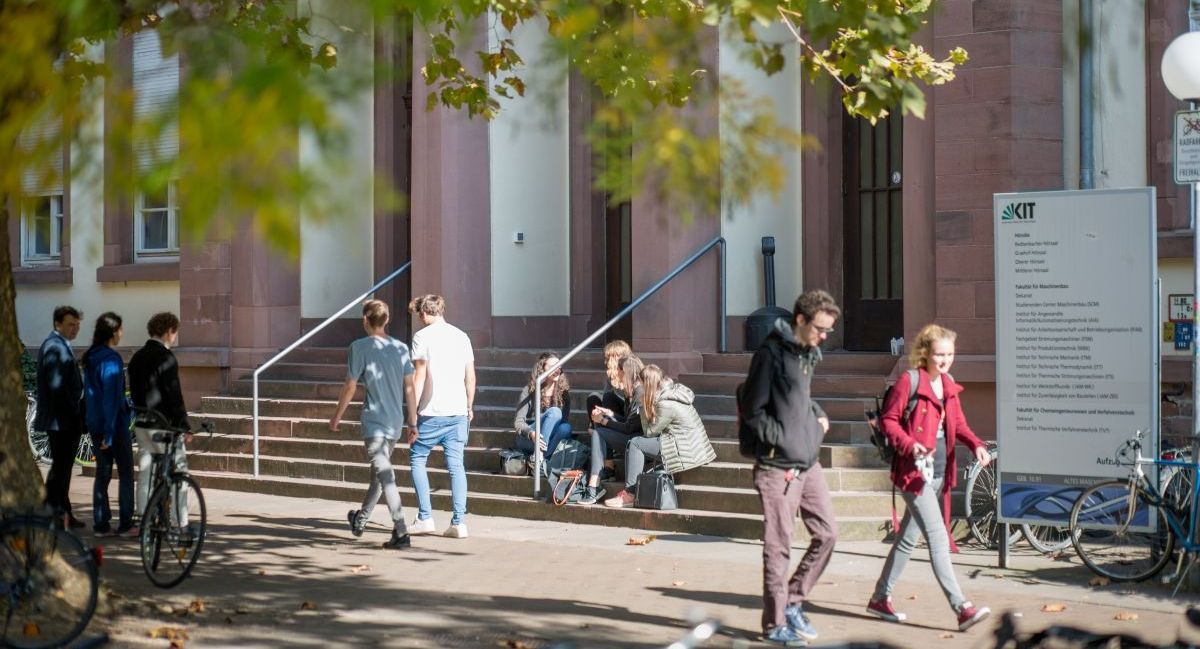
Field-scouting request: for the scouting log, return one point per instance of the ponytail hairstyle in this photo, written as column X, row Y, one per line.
column 653, row 380
column 561, row 384
column 923, row 346
column 631, row 371
column 106, row 328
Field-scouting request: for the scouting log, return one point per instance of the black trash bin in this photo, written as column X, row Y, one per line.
column 760, row 323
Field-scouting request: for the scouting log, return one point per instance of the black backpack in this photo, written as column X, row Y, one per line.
column 882, row 444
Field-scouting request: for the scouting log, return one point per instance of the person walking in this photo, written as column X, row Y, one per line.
column 924, row 471
column 444, row 379
column 787, row 427
column 154, row 385
column 59, row 411
column 108, row 418
column 385, row 368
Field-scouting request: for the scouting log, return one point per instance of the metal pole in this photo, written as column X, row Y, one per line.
column 724, row 326
column 256, row 424
column 537, row 434
column 1086, row 111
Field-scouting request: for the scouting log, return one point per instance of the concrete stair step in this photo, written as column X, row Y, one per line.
column 747, row 526
column 878, row 364
column 823, row 384
column 697, row 497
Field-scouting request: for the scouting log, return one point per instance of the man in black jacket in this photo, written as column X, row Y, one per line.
column 777, row 404
column 60, row 407
column 154, row 383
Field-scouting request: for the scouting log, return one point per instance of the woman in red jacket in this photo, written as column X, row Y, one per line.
column 924, row 470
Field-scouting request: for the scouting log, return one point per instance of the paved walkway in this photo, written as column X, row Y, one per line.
column 285, row 572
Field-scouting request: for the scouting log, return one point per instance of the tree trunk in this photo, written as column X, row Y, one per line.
column 21, row 483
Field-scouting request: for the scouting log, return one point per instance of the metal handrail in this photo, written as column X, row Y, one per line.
column 719, row 243
column 358, row 300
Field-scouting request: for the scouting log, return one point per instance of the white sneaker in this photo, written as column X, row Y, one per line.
column 456, row 531
column 419, row 526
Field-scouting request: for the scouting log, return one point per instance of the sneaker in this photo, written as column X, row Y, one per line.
column 969, row 616
column 456, row 531
column 883, row 609
column 419, row 526
column 131, row 531
column 397, row 542
column 591, row 495
column 622, row 499
column 608, row 473
column 799, row 623
column 785, row 636
column 357, row 522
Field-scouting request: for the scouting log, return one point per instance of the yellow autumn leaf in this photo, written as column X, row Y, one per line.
column 641, row 540
column 1125, row 616
column 1053, row 608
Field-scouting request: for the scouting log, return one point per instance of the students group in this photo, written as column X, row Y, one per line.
column 89, row 395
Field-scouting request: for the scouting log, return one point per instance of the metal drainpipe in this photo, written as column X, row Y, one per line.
column 1086, row 105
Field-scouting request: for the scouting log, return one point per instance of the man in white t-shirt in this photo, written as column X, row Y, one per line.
column 445, row 386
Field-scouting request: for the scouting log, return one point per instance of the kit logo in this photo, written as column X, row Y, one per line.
column 1018, row 212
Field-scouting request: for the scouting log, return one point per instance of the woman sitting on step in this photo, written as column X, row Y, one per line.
column 611, row 429
column 556, row 409
column 673, row 430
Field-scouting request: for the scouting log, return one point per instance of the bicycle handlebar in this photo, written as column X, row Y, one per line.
column 151, row 418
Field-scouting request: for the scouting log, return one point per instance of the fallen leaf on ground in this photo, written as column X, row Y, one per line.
column 307, row 606
column 176, row 644
column 172, row 633
column 31, row 630
column 678, row 582
column 911, row 597
column 946, row 636
column 1060, row 556
column 197, row 606
column 1098, row 581
column 262, row 572
column 1125, row 616
column 641, row 540
column 360, row 569
column 1053, row 608
column 517, row 644
column 165, row 609
column 228, row 620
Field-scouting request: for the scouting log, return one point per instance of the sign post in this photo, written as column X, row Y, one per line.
column 1187, row 147
column 1077, row 344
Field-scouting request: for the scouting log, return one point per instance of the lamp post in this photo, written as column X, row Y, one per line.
column 1181, row 74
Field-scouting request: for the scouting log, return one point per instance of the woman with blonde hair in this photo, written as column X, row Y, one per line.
column 556, row 408
column 673, row 431
column 612, row 429
column 924, row 470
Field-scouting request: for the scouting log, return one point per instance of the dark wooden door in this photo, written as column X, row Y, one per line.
column 874, row 235
column 618, row 229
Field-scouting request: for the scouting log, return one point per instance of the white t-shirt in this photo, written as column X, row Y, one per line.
column 446, row 351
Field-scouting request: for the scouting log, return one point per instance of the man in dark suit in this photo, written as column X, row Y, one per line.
column 154, row 383
column 60, row 407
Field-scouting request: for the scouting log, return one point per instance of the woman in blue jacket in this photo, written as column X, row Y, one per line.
column 108, row 417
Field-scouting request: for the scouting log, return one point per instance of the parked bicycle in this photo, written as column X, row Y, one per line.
column 1126, row 529
column 1056, row 636
column 175, row 519
column 982, row 492
column 39, row 441
column 48, row 581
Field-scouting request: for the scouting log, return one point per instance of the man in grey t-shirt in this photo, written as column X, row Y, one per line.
column 385, row 368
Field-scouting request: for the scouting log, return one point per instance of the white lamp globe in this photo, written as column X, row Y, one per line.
column 1181, row 67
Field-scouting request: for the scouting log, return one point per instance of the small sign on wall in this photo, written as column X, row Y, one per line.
column 1183, row 335
column 1180, row 307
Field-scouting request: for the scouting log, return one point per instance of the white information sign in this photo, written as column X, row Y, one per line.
column 1076, row 343
column 1187, row 147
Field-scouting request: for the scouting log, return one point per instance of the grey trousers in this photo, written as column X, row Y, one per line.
column 383, row 481
column 922, row 516
column 635, row 457
column 782, row 498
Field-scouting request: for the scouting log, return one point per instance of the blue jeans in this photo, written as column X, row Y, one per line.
column 451, row 434
column 554, row 430
column 121, row 452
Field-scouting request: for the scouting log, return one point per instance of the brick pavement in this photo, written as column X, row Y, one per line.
column 519, row 583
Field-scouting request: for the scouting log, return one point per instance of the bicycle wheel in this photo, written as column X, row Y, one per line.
column 85, row 455
column 48, row 585
column 1047, row 538
column 1100, row 522
column 982, row 491
column 172, row 532
column 39, row 441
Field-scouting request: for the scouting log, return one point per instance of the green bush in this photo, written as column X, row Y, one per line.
column 28, row 371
